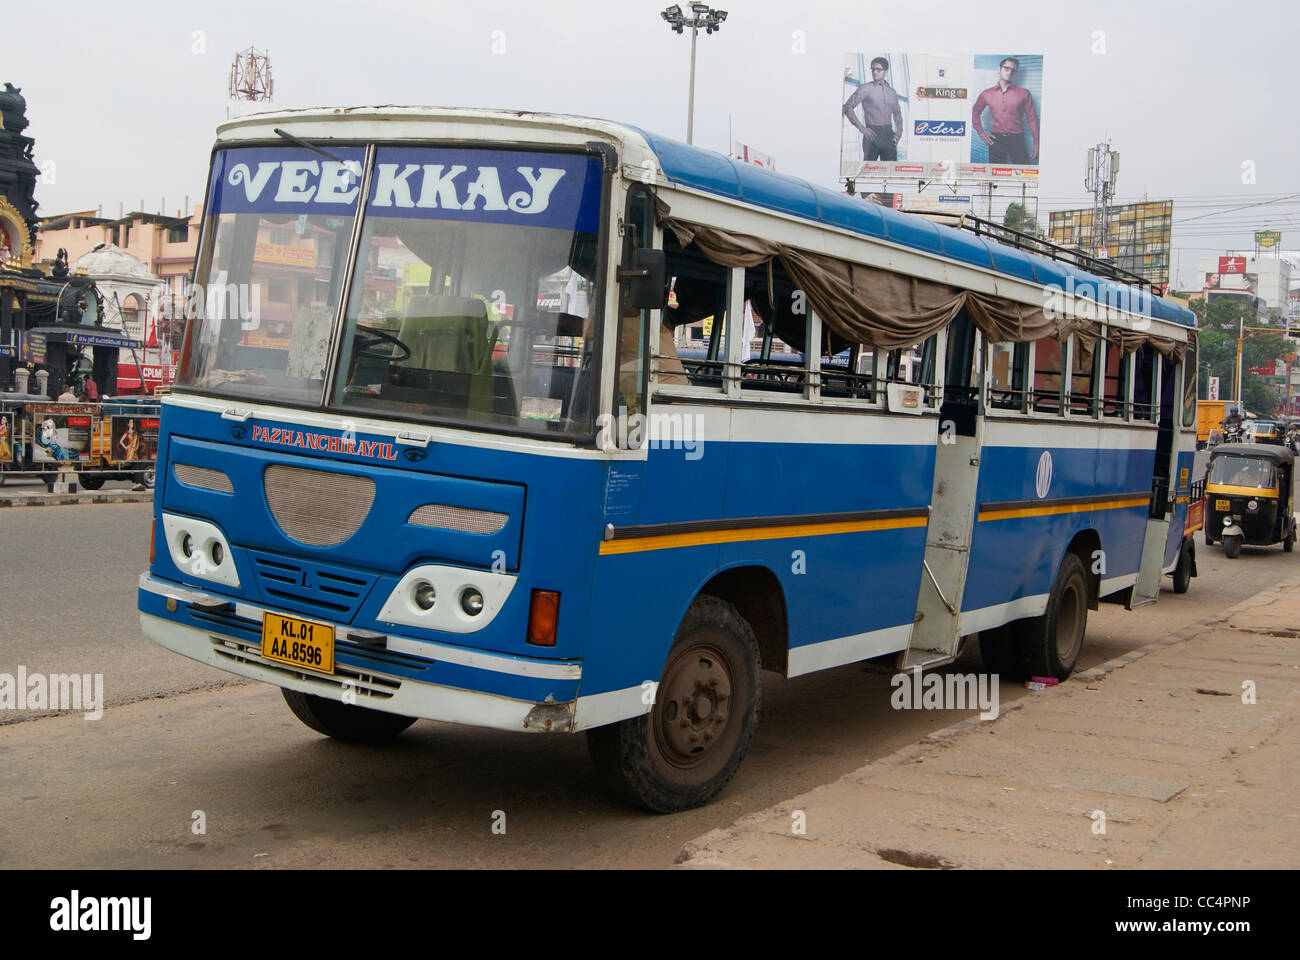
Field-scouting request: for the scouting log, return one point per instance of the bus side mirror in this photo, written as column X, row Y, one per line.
column 645, row 279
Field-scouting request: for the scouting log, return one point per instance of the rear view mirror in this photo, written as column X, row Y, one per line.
column 645, row 279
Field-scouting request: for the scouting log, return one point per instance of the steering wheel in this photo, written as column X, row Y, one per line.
column 370, row 337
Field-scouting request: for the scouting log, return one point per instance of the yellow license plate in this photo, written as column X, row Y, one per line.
column 1222, row 504
column 299, row 643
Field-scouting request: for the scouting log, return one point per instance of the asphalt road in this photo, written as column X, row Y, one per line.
column 178, row 738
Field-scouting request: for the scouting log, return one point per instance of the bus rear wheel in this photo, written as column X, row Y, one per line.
column 689, row 746
column 343, row 721
column 1050, row 645
column 1183, row 572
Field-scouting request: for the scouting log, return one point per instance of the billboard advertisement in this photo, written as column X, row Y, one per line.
column 60, row 432
column 7, row 442
column 1138, row 236
column 133, row 439
column 959, row 116
column 1232, row 265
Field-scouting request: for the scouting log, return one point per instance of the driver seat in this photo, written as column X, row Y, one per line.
column 445, row 333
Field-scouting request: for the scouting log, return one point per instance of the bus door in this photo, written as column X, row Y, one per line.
column 1154, row 397
column 952, row 504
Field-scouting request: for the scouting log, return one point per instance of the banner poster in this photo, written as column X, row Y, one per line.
column 7, row 441
column 960, row 116
column 60, row 432
column 133, row 439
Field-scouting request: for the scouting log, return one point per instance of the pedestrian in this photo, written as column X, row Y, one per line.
column 1011, row 109
column 91, row 390
column 882, row 116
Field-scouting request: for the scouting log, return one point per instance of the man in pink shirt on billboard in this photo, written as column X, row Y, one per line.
column 1006, row 104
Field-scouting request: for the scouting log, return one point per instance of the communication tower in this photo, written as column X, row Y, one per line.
column 250, row 76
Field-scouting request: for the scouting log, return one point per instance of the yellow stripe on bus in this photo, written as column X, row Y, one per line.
column 669, row 541
column 1049, row 509
column 1229, row 489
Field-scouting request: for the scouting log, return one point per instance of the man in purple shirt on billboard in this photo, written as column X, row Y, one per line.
column 1006, row 104
column 882, row 117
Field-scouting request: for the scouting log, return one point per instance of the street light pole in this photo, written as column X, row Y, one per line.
column 710, row 20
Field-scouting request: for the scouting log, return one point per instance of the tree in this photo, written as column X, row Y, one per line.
column 1220, row 321
column 1018, row 218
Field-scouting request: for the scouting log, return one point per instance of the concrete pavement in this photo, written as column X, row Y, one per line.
column 1182, row 754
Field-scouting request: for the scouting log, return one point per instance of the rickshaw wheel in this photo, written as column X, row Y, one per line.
column 1289, row 543
column 1231, row 547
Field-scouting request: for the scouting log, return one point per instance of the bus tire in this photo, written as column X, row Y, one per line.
column 90, row 482
column 343, row 721
column 1050, row 645
column 688, row 747
column 999, row 653
column 1231, row 547
column 1183, row 572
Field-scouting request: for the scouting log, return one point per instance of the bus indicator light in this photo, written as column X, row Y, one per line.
column 543, row 617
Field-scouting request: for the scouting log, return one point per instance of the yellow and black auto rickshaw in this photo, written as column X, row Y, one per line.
column 1248, row 496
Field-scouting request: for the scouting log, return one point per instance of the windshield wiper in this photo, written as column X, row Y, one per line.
column 305, row 145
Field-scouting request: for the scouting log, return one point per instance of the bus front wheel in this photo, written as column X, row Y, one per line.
column 342, row 721
column 1050, row 644
column 688, row 747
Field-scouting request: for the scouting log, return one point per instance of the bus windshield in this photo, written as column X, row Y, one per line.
column 268, row 284
column 472, row 299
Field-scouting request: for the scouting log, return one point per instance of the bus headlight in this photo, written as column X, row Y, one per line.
column 471, row 598
column 471, row 601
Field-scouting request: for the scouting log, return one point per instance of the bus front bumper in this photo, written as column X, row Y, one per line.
column 183, row 620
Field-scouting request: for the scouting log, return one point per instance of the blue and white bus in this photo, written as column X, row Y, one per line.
column 433, row 452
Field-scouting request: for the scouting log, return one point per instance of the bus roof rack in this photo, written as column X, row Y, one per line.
column 1054, row 251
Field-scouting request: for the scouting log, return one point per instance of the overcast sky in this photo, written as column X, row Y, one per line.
column 124, row 98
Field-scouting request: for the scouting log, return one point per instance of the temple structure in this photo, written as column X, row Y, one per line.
column 51, row 327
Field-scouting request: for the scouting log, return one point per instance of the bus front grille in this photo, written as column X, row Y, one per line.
column 317, row 507
column 366, row 686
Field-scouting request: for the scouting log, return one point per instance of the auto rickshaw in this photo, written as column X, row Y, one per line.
column 1248, row 494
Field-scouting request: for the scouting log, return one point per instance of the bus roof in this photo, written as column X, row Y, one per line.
column 723, row 176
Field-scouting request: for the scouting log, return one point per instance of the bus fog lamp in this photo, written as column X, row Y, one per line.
column 187, row 545
column 218, row 554
column 424, row 595
column 471, row 601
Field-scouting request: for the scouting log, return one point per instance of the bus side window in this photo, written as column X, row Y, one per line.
column 916, row 365
column 1190, row 371
column 1144, row 385
column 1008, row 363
column 781, row 320
column 1049, row 358
column 1083, row 379
column 696, row 313
column 1115, row 382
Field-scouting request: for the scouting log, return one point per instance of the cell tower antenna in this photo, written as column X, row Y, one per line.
column 250, row 77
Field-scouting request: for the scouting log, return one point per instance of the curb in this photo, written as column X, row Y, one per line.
column 59, row 499
column 694, row 854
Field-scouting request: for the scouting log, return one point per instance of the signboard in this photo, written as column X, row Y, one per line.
column 892, row 200
column 34, row 347
column 746, row 153
column 1267, row 238
column 7, row 443
column 1232, row 265
column 1137, row 235
column 959, row 117
column 60, row 432
column 133, row 439
column 1214, row 389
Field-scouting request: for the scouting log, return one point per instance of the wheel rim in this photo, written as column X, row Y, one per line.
column 693, row 716
column 1070, row 623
